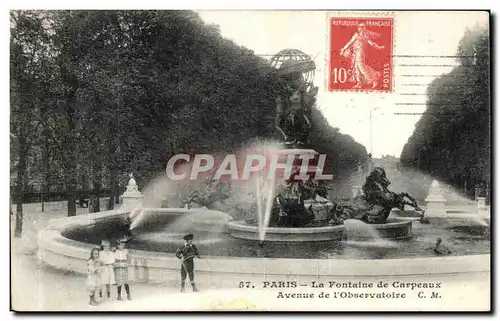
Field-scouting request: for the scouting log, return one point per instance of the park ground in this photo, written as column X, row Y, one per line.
column 35, row 287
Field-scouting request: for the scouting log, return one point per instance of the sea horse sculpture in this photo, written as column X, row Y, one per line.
column 376, row 203
column 206, row 195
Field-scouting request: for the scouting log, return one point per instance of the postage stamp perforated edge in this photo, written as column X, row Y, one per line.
column 358, row 14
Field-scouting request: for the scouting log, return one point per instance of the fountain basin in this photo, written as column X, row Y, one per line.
column 209, row 220
column 234, row 259
column 60, row 252
column 242, row 230
column 393, row 229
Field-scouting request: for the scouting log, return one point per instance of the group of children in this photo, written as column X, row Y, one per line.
column 108, row 266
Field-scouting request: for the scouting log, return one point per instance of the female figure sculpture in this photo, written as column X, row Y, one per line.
column 356, row 50
column 295, row 98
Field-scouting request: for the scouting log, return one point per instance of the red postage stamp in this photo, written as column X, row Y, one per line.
column 361, row 51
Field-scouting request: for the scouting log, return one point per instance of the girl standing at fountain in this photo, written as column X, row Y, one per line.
column 93, row 278
column 107, row 258
column 121, row 270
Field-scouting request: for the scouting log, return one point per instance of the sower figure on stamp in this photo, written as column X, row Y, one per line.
column 356, row 50
column 187, row 254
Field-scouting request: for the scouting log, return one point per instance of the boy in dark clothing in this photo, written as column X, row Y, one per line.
column 187, row 254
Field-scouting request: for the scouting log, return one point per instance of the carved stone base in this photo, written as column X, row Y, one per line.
column 435, row 209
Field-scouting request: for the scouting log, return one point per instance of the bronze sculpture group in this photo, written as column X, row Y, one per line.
column 376, row 203
column 373, row 207
column 208, row 193
column 295, row 98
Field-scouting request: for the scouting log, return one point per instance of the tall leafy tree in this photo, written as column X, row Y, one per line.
column 121, row 91
column 452, row 139
column 29, row 44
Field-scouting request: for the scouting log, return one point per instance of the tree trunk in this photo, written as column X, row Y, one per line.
column 44, row 181
column 111, row 201
column 20, row 181
column 112, row 142
column 117, row 189
column 71, row 168
column 45, row 162
column 97, row 185
column 113, row 189
column 10, row 204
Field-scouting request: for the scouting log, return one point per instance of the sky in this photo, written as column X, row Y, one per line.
column 416, row 33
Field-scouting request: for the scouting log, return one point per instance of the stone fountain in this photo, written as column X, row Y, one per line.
column 435, row 201
column 132, row 197
column 300, row 213
column 66, row 243
column 325, row 221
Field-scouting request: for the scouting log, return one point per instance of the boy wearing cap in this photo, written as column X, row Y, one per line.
column 187, row 254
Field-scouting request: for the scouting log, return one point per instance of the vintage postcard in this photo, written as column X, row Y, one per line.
column 250, row 160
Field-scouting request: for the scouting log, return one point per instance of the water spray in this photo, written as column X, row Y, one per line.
column 138, row 218
column 269, row 204
column 258, row 195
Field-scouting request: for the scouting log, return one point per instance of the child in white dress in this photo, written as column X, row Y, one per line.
column 93, row 278
column 107, row 258
column 122, row 260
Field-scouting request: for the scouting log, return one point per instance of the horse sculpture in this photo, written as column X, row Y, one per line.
column 206, row 195
column 376, row 204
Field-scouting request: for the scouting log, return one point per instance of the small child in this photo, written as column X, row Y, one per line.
column 187, row 254
column 107, row 258
column 93, row 279
column 122, row 260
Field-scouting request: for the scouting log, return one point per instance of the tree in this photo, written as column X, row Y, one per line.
column 121, row 91
column 29, row 43
column 452, row 139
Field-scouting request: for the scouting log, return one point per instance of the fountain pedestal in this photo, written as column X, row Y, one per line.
column 393, row 229
column 320, row 208
column 132, row 198
column 319, row 205
column 482, row 209
column 435, row 202
column 481, row 203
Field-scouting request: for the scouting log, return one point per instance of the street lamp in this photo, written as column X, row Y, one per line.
column 371, row 129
